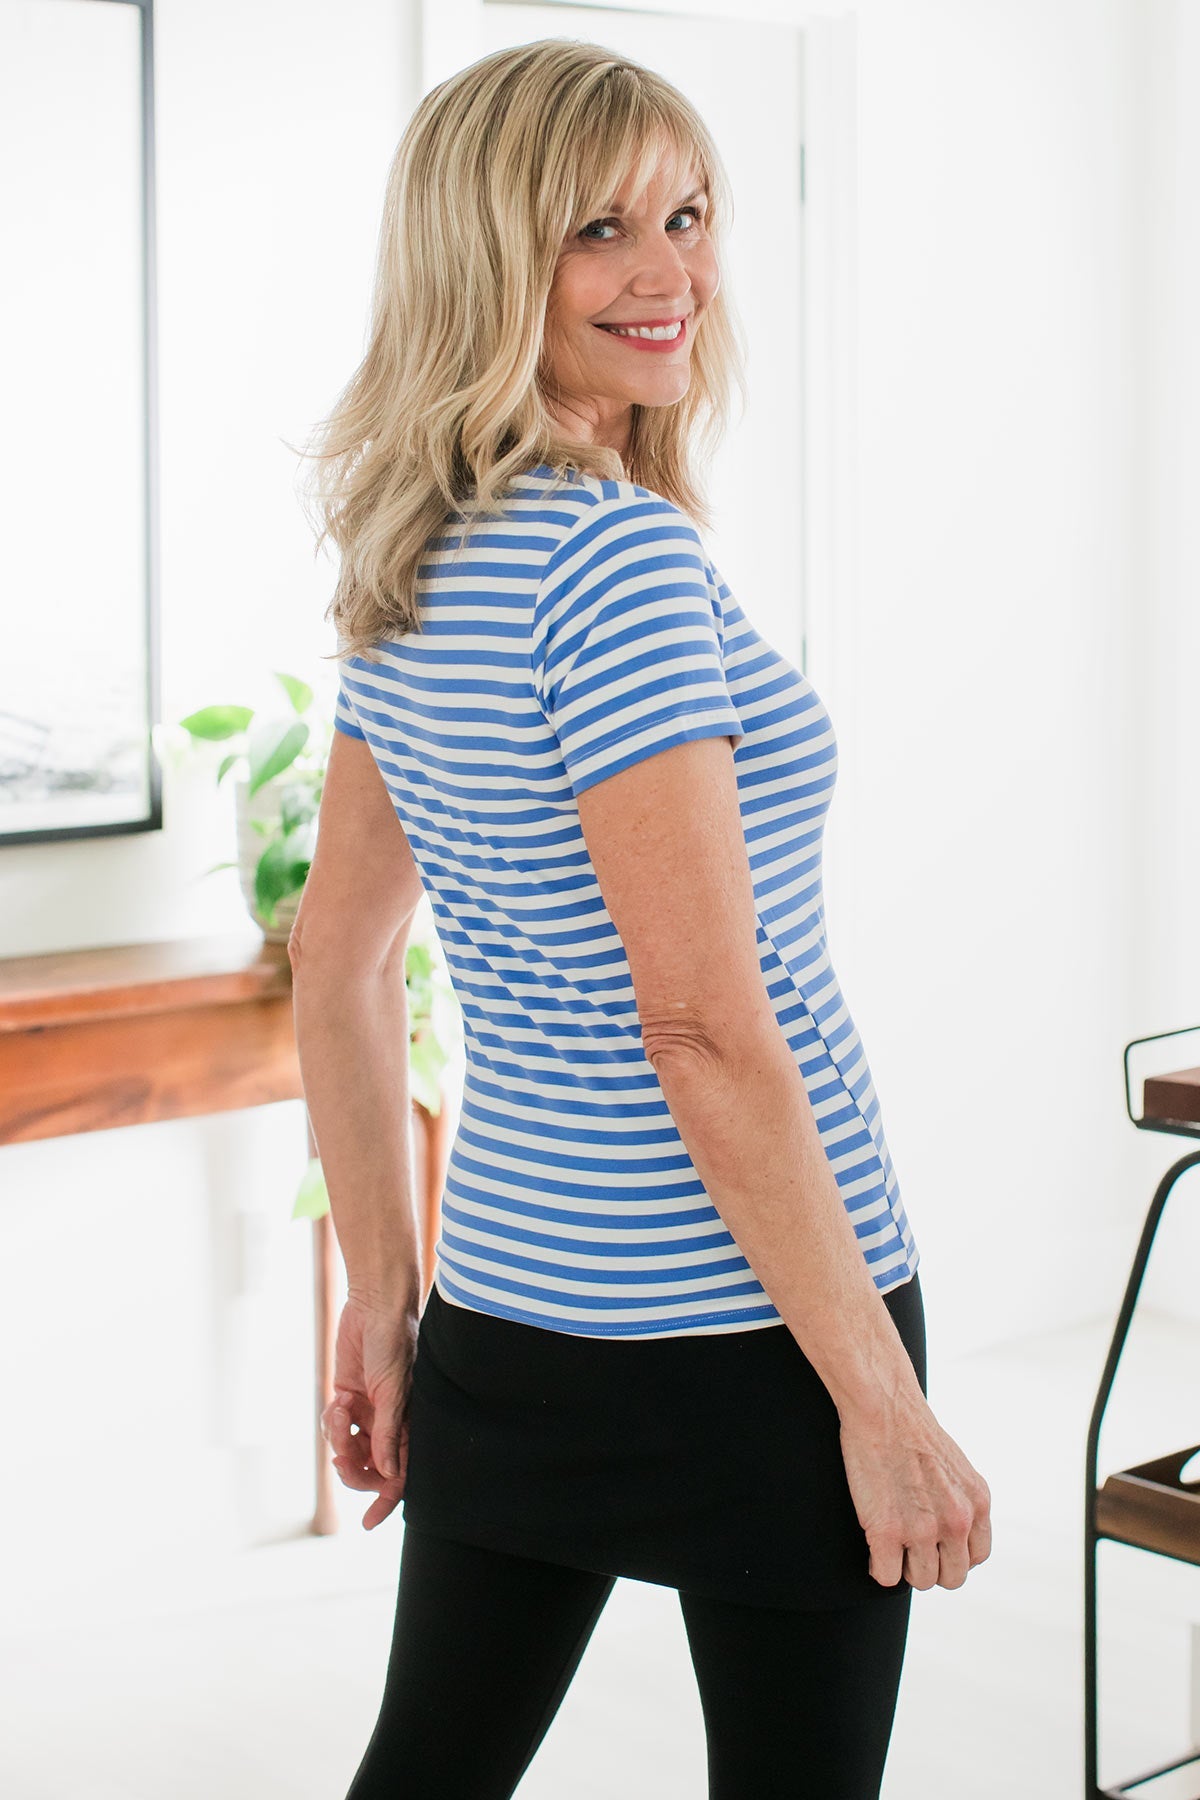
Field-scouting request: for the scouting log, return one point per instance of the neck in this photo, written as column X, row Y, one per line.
column 592, row 422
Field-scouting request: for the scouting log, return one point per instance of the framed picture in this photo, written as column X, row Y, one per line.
column 78, row 455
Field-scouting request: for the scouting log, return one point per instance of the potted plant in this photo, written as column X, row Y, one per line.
column 278, row 763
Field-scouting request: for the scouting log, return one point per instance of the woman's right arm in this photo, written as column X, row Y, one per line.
column 349, row 999
column 666, row 841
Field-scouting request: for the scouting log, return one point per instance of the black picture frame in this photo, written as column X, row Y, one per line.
column 46, row 794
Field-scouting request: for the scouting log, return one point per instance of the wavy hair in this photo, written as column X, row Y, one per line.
column 495, row 167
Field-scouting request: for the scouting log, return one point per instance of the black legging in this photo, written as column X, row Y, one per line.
column 485, row 1645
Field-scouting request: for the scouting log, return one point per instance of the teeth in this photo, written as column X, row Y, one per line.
column 647, row 331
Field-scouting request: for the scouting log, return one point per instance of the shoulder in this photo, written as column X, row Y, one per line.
column 590, row 495
column 601, row 518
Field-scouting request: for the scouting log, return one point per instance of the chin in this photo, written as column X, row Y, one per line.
column 661, row 396
column 663, row 393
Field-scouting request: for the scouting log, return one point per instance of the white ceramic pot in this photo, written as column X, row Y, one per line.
column 264, row 806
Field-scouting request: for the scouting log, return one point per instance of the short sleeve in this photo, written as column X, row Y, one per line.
column 345, row 719
column 627, row 639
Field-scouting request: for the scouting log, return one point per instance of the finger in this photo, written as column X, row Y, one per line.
column 354, row 1445
column 358, row 1451
column 921, row 1566
column 357, row 1473
column 366, row 1479
column 380, row 1508
column 953, row 1563
column 385, row 1435
column 887, row 1563
column 328, row 1424
column 388, row 1494
column 337, row 1421
column 979, row 1541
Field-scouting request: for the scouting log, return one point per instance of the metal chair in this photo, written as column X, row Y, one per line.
column 1149, row 1506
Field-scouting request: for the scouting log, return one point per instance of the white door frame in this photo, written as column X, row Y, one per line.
column 449, row 30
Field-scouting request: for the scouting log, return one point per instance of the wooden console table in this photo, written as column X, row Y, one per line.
column 134, row 1033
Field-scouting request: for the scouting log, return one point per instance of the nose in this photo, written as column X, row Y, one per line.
column 661, row 271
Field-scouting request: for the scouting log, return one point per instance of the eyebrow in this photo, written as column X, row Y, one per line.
column 678, row 207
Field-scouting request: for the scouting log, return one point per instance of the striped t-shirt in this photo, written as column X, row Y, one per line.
column 582, row 628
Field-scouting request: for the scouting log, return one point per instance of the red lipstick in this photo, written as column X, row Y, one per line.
column 641, row 343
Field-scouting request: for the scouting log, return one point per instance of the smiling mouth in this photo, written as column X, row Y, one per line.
column 652, row 331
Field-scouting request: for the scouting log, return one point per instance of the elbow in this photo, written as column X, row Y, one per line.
column 340, row 934
column 307, row 960
column 682, row 1040
column 712, row 1047
column 343, row 957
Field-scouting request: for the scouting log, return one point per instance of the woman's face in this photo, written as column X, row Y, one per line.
column 647, row 263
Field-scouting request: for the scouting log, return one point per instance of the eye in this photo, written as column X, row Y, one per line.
column 687, row 212
column 600, row 224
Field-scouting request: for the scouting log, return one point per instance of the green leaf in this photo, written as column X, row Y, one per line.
column 227, row 763
column 273, row 748
column 224, row 865
column 445, row 1014
column 312, row 1196
column 418, row 960
column 299, row 805
column 425, row 1065
column 280, row 872
column 298, row 692
column 217, row 722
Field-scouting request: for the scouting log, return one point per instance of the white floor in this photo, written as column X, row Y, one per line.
column 257, row 1673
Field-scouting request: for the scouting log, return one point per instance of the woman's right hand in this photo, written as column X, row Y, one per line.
column 925, row 1510
column 372, row 1377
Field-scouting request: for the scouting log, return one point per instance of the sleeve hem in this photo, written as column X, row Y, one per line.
column 644, row 739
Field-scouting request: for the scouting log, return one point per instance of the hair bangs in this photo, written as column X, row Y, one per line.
column 629, row 129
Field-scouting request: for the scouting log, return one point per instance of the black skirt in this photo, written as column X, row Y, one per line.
column 710, row 1463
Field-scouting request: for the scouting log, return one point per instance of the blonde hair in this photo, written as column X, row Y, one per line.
column 495, row 167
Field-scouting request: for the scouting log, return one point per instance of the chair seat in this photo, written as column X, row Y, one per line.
column 1151, row 1507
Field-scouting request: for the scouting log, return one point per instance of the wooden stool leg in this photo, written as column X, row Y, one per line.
column 431, row 1156
column 325, row 1518
column 324, row 1521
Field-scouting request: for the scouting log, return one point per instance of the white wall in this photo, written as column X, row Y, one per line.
column 1023, row 404
column 1028, row 409
column 995, row 729
column 1164, row 602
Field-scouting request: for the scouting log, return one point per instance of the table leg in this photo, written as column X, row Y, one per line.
column 325, row 1519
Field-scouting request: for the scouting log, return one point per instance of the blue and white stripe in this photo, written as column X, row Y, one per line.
column 580, row 630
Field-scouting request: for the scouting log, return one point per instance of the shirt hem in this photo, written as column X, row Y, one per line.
column 716, row 1323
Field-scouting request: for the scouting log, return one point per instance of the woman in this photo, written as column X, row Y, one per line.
column 676, row 1329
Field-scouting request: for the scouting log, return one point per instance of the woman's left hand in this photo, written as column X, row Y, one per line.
column 372, row 1377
